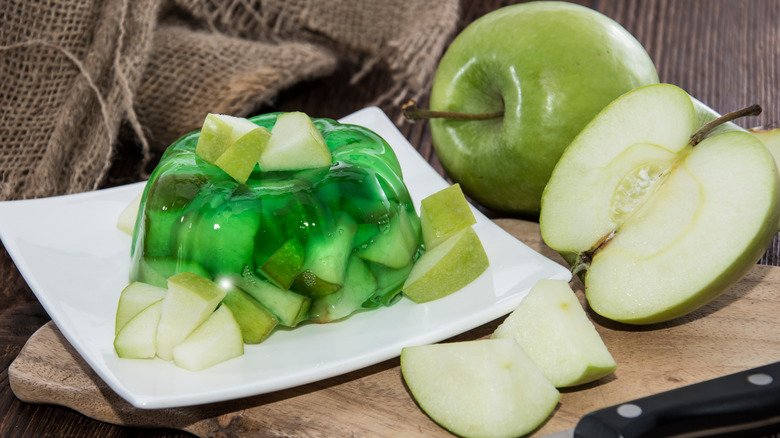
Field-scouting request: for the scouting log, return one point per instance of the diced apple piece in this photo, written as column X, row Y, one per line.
column 447, row 268
column 135, row 297
column 553, row 329
column 255, row 322
column 482, row 388
column 137, row 338
column 359, row 284
column 218, row 132
column 284, row 264
column 443, row 214
column 326, row 259
column 287, row 306
column 394, row 243
column 295, row 144
column 240, row 158
column 190, row 300
column 126, row 220
column 216, row 340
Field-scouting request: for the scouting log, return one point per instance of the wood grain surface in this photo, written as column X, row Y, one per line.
column 724, row 52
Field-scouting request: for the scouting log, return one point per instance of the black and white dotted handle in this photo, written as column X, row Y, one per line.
column 741, row 405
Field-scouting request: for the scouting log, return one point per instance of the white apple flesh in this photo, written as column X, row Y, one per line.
column 553, row 329
column 482, row 388
column 191, row 299
column 661, row 225
column 214, row 341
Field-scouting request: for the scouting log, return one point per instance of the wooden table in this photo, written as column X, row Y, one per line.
column 724, row 52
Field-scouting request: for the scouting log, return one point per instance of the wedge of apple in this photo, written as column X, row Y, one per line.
column 447, row 268
column 127, row 217
column 135, row 297
column 443, row 214
column 482, row 388
column 137, row 339
column 553, row 329
column 658, row 215
column 190, row 300
column 214, row 341
column 255, row 321
column 295, row 144
column 232, row 143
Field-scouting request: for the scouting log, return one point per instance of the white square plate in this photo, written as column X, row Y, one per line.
column 76, row 261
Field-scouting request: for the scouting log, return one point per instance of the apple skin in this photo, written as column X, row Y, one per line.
column 551, row 66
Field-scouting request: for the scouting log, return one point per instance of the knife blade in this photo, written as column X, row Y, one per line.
column 742, row 404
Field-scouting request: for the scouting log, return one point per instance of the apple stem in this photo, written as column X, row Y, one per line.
column 699, row 135
column 412, row 113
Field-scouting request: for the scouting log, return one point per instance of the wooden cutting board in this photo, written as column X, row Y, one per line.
column 737, row 331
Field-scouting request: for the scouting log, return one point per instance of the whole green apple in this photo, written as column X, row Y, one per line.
column 547, row 68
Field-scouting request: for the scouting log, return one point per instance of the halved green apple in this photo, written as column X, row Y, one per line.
column 482, row 388
column 656, row 219
column 553, row 329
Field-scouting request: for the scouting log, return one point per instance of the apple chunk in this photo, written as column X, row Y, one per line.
column 127, row 217
column 443, row 214
column 295, row 144
column 190, row 300
column 657, row 221
column 134, row 298
column 484, row 388
column 137, row 338
column 216, row 340
column 447, row 268
column 553, row 329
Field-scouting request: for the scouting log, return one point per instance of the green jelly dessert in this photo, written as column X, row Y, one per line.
column 315, row 244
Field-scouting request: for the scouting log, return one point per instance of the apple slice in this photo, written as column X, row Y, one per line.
column 393, row 243
column 482, row 388
column 295, row 144
column 255, row 321
column 447, row 268
column 285, row 263
column 443, row 214
column 127, row 217
column 190, row 300
column 137, row 338
column 326, row 258
column 656, row 219
column 288, row 307
column 135, row 297
column 359, row 284
column 240, row 158
column 553, row 329
column 216, row 340
column 218, row 132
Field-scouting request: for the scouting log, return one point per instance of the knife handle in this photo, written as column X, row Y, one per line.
column 726, row 406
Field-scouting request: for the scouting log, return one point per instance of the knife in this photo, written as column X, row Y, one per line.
column 736, row 405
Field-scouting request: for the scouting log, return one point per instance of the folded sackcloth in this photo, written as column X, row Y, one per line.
column 75, row 73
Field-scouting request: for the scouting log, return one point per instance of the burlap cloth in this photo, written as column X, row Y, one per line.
column 73, row 72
